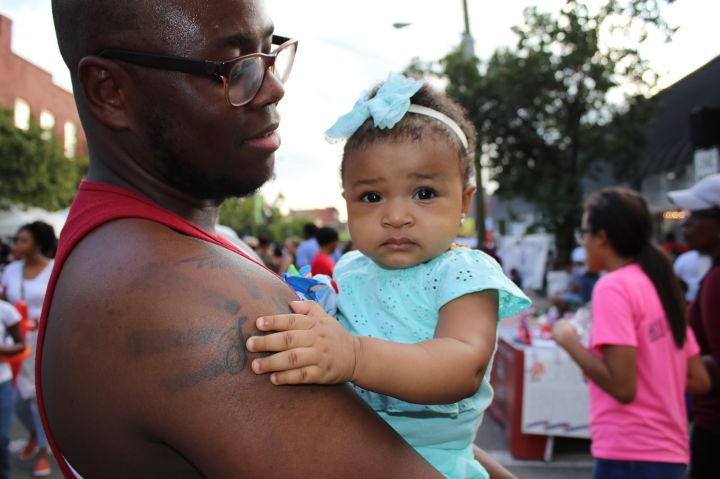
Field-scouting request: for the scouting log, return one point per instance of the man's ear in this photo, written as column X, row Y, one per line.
column 102, row 83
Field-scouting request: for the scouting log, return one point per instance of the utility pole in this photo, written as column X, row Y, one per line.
column 468, row 42
column 468, row 49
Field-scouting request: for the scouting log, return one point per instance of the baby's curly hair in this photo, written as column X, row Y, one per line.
column 414, row 127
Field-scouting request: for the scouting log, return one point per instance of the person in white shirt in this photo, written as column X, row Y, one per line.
column 691, row 267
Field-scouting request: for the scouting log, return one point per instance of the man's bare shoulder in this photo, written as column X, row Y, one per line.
column 146, row 321
column 145, row 350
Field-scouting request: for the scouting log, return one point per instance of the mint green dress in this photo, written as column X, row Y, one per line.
column 402, row 305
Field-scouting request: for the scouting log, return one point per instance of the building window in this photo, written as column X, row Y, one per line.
column 47, row 123
column 70, row 139
column 22, row 114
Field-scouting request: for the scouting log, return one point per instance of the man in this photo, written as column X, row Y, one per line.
column 143, row 367
column 702, row 233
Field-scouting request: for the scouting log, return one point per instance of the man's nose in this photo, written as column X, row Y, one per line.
column 271, row 91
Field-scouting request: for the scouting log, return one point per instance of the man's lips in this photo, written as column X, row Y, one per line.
column 268, row 139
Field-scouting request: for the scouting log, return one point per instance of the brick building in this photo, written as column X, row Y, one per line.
column 28, row 90
column 322, row 216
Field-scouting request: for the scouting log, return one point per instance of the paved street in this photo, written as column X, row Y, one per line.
column 571, row 457
column 18, row 469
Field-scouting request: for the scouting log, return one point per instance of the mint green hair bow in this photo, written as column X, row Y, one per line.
column 386, row 108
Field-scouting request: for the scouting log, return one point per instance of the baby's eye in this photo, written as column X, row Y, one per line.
column 425, row 194
column 370, row 197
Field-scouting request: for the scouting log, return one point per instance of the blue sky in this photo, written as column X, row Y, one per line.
column 345, row 47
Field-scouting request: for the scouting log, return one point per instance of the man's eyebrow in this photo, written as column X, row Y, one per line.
column 242, row 39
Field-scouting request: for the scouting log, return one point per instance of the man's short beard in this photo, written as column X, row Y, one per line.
column 183, row 175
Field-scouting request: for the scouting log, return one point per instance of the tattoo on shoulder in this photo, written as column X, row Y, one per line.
column 208, row 260
column 227, row 352
column 228, row 356
column 215, row 261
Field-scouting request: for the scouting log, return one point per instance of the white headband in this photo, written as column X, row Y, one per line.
column 423, row 110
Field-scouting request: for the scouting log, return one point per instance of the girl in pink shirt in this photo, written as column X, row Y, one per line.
column 642, row 356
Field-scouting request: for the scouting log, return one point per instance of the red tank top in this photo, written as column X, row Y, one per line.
column 97, row 204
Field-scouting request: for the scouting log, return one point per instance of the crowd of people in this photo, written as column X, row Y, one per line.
column 149, row 331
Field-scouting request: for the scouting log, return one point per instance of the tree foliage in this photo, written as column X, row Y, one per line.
column 252, row 216
column 33, row 168
column 544, row 109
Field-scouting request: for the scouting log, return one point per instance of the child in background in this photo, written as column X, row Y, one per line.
column 323, row 263
column 419, row 315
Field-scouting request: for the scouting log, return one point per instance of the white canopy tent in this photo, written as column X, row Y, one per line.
column 14, row 218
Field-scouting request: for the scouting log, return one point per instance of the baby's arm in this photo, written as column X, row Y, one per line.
column 445, row 369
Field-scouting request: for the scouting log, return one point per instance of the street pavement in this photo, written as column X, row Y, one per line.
column 570, row 460
column 20, row 469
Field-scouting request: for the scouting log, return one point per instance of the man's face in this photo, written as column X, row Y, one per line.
column 701, row 230
column 195, row 141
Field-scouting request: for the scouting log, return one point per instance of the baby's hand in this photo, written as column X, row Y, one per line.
column 312, row 347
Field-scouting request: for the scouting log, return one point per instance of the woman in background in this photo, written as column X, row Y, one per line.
column 642, row 355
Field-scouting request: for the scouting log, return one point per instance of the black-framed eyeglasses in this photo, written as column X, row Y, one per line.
column 242, row 76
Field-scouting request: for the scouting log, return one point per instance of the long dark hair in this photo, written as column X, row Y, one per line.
column 624, row 216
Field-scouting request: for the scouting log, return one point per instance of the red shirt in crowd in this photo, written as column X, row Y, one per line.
column 322, row 264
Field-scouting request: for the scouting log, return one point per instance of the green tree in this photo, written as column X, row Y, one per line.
column 33, row 169
column 543, row 109
column 240, row 215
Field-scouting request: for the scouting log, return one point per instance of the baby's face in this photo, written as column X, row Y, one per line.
column 405, row 200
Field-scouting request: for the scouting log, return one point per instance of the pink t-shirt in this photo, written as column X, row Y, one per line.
column 627, row 311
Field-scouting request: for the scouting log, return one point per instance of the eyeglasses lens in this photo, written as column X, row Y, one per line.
column 284, row 63
column 246, row 77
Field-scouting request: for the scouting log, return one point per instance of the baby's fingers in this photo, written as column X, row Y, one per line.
column 284, row 322
column 280, row 341
column 285, row 361
column 306, row 375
